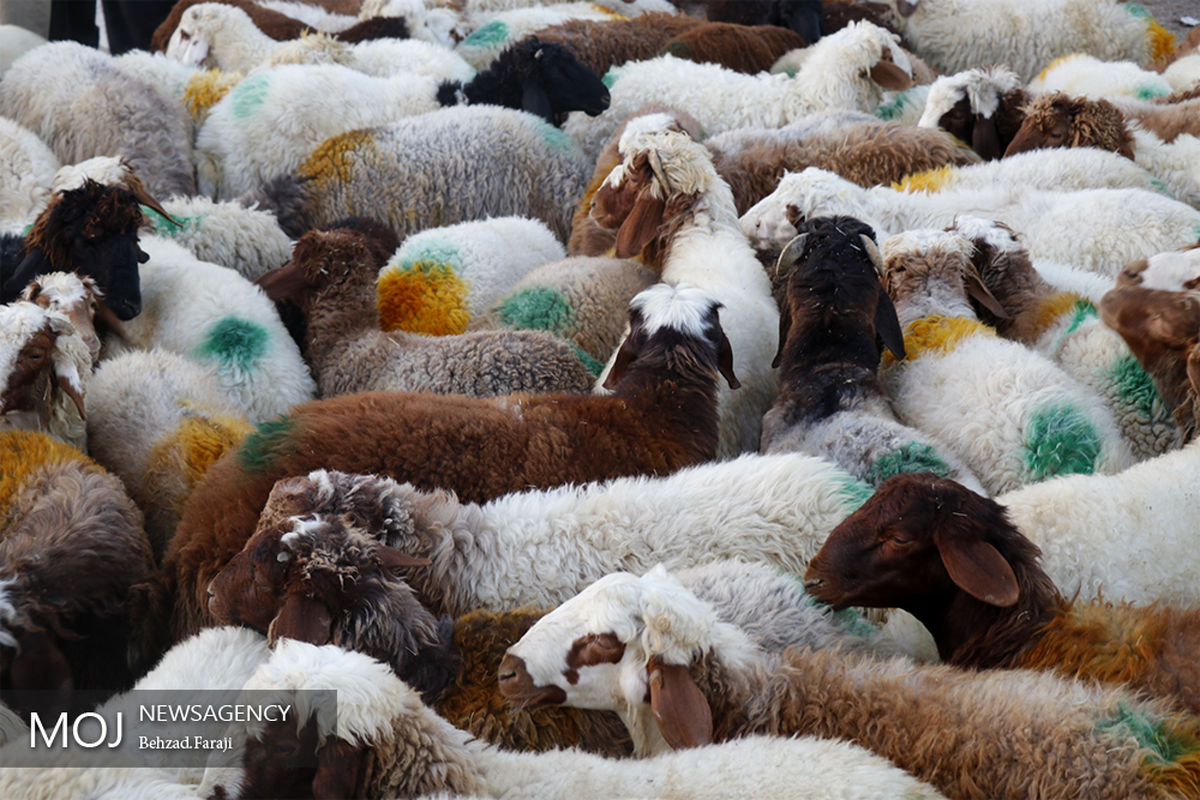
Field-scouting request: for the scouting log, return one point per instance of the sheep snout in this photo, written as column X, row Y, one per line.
column 518, row 688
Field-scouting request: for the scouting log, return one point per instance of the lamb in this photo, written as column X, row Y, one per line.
column 211, row 314
column 1099, row 230
column 273, row 23
column 661, row 417
column 1011, row 414
column 954, row 35
column 442, row 278
column 1082, row 75
column 110, row 113
column 332, row 278
column 27, row 165
column 981, row 106
column 384, row 58
column 668, row 204
column 987, row 601
column 158, row 421
column 846, row 70
column 1055, row 120
column 437, row 168
column 44, row 365
column 578, row 299
column 73, row 546
column 1162, row 328
column 1066, row 328
column 384, row 738
column 831, row 402
column 92, row 230
column 679, row 677
column 254, row 133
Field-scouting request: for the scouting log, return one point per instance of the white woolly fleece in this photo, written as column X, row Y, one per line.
column 18, row 322
column 27, row 166
column 105, row 170
column 982, row 86
column 682, row 307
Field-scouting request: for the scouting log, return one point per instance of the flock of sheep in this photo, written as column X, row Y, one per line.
column 558, row 382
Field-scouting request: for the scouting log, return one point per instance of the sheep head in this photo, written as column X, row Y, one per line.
column 978, row 106
column 649, row 195
column 320, row 259
column 543, row 78
column 108, row 171
column 1004, row 267
column 1172, row 271
column 928, row 271
column 192, row 39
column 1162, row 329
column 1056, row 120
column 92, row 230
column 832, row 272
column 677, row 327
column 78, row 298
column 32, row 367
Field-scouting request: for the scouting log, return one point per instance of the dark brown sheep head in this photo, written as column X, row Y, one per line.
column 92, row 230
column 1162, row 329
column 1056, row 120
column 1175, row 270
column 319, row 260
column 1004, row 267
column 29, row 371
column 914, row 544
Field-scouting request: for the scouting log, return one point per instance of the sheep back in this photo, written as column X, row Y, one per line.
column 741, row 48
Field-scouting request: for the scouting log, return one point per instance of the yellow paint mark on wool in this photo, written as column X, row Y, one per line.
column 424, row 298
column 1162, row 41
column 199, row 440
column 1050, row 311
column 332, row 159
column 938, row 334
column 1042, row 75
column 930, row 180
column 205, row 89
column 24, row 453
column 608, row 12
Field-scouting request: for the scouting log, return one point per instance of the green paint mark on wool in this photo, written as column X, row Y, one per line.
column 249, row 94
column 1134, row 385
column 1137, row 10
column 894, row 107
column 1149, row 731
column 552, row 136
column 592, row 365
column 165, row 227
column 427, row 250
column 1149, row 92
column 540, row 308
column 1082, row 311
column 269, row 441
column 493, row 33
column 234, row 342
column 1060, row 440
column 611, row 77
column 854, row 492
column 1161, row 188
column 909, row 457
column 853, row 623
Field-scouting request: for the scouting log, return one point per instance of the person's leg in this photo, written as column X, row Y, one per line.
column 132, row 22
column 75, row 20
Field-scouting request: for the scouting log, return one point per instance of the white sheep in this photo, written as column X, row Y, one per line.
column 954, row 35
column 846, row 70
column 442, row 278
column 1012, row 415
column 1096, row 229
column 27, row 166
column 493, row 31
column 15, row 41
column 213, row 315
column 247, row 240
column 1083, row 75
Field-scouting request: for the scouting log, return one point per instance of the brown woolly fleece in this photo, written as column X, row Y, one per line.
column 603, row 44
column 278, row 26
column 1056, row 120
column 332, row 276
column 741, row 48
column 91, row 212
column 473, row 701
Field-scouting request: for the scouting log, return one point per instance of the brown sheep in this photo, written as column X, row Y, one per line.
column 742, row 48
column 953, row 559
column 602, row 44
column 661, row 417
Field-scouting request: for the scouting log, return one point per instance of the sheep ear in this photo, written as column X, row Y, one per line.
column 391, row 558
column 725, row 361
column 341, row 768
column 985, row 139
column 785, row 325
column 625, row 356
column 642, row 224
column 978, row 569
column 535, row 100
column 890, row 76
column 679, row 707
column 977, row 290
column 302, row 618
column 887, row 324
column 67, row 387
column 283, row 283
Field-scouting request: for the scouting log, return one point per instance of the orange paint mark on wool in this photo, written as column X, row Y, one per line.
column 424, row 298
column 199, row 440
column 24, row 454
column 1051, row 310
column 334, row 157
column 1052, row 65
column 930, row 180
column 1162, row 41
column 608, row 12
column 937, row 334
column 205, row 89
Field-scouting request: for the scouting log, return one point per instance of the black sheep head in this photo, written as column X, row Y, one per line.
column 92, row 230
column 543, row 78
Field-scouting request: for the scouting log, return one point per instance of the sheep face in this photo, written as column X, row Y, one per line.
column 190, row 41
column 554, row 82
column 913, row 545
column 77, row 298
column 31, row 368
column 1173, row 272
column 1055, row 120
column 92, row 230
column 935, row 267
column 1001, row 263
column 319, row 259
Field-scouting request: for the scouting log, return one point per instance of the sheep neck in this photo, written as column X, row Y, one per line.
column 336, row 315
column 681, row 408
column 240, row 45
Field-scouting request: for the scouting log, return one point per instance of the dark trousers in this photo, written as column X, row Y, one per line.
column 130, row 22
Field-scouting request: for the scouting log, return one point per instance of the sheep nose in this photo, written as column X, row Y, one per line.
column 510, row 666
column 812, row 584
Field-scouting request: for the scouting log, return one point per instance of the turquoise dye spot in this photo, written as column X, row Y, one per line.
column 854, row 492
column 910, row 457
column 1134, row 385
column 1137, row 10
column 26, row 230
column 552, row 136
column 540, row 308
column 611, row 77
column 234, row 342
column 1149, row 731
column 853, row 623
column 592, row 365
column 249, row 94
column 269, row 441
column 1060, row 440
column 894, row 107
column 1161, row 187
column 1150, row 92
column 429, row 249
column 1082, row 311
column 165, row 227
column 494, row 33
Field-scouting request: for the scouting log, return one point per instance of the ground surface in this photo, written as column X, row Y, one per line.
column 1168, row 13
